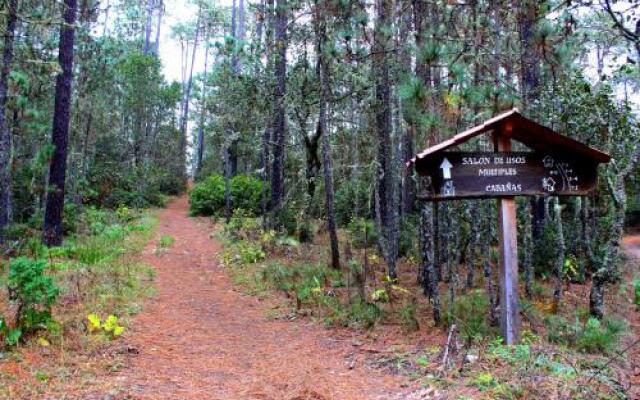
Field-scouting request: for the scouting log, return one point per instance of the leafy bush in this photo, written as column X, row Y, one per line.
column 600, row 336
column 278, row 275
column 94, row 250
column 243, row 225
column 593, row 336
column 350, row 196
column 166, row 241
column 207, row 197
column 485, row 381
column 408, row 316
column 363, row 314
column 242, row 252
column 363, row 232
column 286, row 219
column 33, row 291
column 110, row 328
column 11, row 336
column 470, row 315
column 544, row 255
column 250, row 253
column 408, row 231
column 305, row 281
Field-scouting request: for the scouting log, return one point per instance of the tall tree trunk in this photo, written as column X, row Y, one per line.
column 386, row 183
column 5, row 132
column 200, row 144
column 279, row 121
column 429, row 274
column 184, row 118
column 530, row 61
column 52, row 231
column 268, row 130
column 158, row 26
column 321, row 34
column 408, row 184
column 488, row 270
column 606, row 263
column 147, row 27
column 560, row 253
column 238, row 33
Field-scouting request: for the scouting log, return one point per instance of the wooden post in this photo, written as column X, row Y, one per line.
column 508, row 242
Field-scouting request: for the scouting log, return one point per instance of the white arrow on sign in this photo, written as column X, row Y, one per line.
column 446, row 168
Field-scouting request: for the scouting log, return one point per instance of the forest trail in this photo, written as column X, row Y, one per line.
column 198, row 338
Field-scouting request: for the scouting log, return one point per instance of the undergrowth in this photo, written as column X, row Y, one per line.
column 52, row 290
column 569, row 352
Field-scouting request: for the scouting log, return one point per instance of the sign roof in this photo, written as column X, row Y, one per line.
column 524, row 130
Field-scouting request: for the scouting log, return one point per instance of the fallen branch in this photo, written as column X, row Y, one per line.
column 445, row 356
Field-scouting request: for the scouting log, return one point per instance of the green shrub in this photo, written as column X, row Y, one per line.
column 94, row 250
column 166, row 241
column 560, row 331
column 18, row 231
column 593, row 336
column 408, row 316
column 311, row 279
column 10, row 336
column 485, row 381
column 363, row 233
column 110, row 327
column 545, row 255
column 306, row 281
column 600, row 336
column 470, row 315
column 286, row 219
column 32, row 291
column 207, row 197
column 350, row 196
column 243, row 225
column 250, row 253
column 278, row 275
column 363, row 314
column 408, row 233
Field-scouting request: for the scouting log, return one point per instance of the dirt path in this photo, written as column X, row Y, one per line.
column 200, row 339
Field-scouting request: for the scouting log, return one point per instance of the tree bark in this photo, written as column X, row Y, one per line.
column 158, row 26
column 147, row 26
column 52, row 231
column 606, row 264
column 560, row 253
column 429, row 275
column 200, row 144
column 321, row 33
column 386, row 182
column 5, row 131
column 184, row 118
column 279, row 121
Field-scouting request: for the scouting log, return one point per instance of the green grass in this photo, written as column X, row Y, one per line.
column 166, row 241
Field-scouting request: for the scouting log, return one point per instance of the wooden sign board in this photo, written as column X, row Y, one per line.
column 496, row 174
column 558, row 166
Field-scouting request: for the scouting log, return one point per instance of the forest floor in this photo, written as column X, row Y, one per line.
column 199, row 338
column 203, row 336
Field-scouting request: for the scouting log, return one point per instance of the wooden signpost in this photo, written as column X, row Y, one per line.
column 556, row 166
column 481, row 175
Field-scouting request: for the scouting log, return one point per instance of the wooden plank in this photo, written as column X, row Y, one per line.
column 482, row 175
column 508, row 242
column 524, row 130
